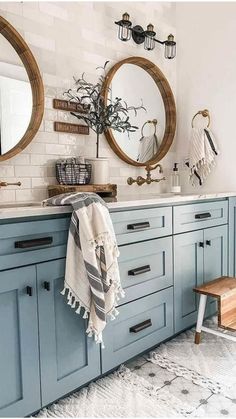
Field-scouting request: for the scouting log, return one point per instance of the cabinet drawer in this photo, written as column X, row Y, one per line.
column 145, row 267
column 24, row 243
column 197, row 216
column 140, row 325
column 138, row 225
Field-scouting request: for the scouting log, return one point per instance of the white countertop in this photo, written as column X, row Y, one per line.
column 33, row 209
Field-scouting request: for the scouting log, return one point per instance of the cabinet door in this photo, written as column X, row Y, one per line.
column 232, row 236
column 188, row 273
column 68, row 357
column 215, row 258
column 19, row 358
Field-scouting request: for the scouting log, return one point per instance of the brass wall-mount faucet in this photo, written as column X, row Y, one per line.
column 141, row 180
column 3, row 184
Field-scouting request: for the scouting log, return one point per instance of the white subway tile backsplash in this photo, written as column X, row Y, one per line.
column 40, row 41
column 6, row 171
column 47, row 137
column 54, row 10
column 7, row 195
column 67, row 39
column 48, row 126
column 32, row 171
column 40, row 183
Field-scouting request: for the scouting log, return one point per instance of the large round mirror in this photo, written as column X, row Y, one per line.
column 141, row 84
column 21, row 92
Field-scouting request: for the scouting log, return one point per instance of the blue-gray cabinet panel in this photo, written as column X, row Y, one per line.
column 121, row 343
column 157, row 223
column 19, row 357
column 11, row 234
column 215, row 258
column 68, row 357
column 188, row 273
column 155, row 255
column 232, row 236
column 213, row 213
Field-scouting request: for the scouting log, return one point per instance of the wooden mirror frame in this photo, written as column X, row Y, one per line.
column 169, row 104
column 27, row 58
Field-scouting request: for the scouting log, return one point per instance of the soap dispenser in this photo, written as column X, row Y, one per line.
column 175, row 180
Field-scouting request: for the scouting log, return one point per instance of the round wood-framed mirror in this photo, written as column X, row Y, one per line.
column 22, row 94
column 136, row 81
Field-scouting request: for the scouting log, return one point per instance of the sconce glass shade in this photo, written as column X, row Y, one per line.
column 170, row 47
column 124, row 32
column 149, row 43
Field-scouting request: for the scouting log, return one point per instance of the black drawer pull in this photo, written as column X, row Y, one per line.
column 203, row 215
column 25, row 244
column 138, row 271
column 137, row 226
column 208, row 242
column 141, row 326
column 29, row 290
column 46, row 285
column 201, row 244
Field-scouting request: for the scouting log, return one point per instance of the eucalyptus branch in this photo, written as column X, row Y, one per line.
column 101, row 116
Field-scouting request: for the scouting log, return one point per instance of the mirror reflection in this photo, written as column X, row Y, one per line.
column 15, row 97
column 135, row 86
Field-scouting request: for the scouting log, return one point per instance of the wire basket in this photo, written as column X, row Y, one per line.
column 72, row 172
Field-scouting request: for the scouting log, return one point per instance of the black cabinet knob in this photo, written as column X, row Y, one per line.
column 201, row 244
column 208, row 242
column 29, row 291
column 46, row 285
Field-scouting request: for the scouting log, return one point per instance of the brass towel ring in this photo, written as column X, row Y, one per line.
column 205, row 113
column 150, row 121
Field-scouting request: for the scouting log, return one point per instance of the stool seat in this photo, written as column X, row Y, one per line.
column 224, row 289
column 218, row 287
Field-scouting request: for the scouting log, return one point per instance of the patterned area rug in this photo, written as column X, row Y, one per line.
column 179, row 379
column 211, row 364
column 121, row 394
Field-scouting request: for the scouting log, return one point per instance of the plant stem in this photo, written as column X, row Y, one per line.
column 97, row 145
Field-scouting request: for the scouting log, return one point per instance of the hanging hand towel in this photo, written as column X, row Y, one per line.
column 148, row 147
column 203, row 151
column 92, row 275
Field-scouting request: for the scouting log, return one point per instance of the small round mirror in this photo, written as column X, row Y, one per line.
column 140, row 84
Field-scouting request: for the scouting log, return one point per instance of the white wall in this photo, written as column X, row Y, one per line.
column 68, row 38
column 206, row 75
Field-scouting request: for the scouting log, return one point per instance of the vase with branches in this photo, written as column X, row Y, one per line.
column 98, row 113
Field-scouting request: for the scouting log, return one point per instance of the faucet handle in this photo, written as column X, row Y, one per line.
column 3, row 184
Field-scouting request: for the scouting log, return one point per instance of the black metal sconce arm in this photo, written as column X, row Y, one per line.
column 138, row 33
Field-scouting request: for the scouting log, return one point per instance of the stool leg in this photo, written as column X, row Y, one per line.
column 200, row 316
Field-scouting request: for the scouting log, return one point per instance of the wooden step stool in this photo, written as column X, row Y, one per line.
column 224, row 289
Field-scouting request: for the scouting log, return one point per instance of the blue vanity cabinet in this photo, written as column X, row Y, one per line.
column 19, row 355
column 188, row 273
column 68, row 357
column 199, row 257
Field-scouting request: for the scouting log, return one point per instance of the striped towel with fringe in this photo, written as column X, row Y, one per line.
column 92, row 280
column 202, row 155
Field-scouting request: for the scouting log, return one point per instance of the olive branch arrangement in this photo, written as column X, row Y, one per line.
column 98, row 114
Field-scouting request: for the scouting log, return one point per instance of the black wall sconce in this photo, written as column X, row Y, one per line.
column 147, row 37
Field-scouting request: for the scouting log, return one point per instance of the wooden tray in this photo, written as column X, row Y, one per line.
column 108, row 190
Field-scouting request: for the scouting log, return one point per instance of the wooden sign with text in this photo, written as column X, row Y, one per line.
column 66, row 105
column 71, row 128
